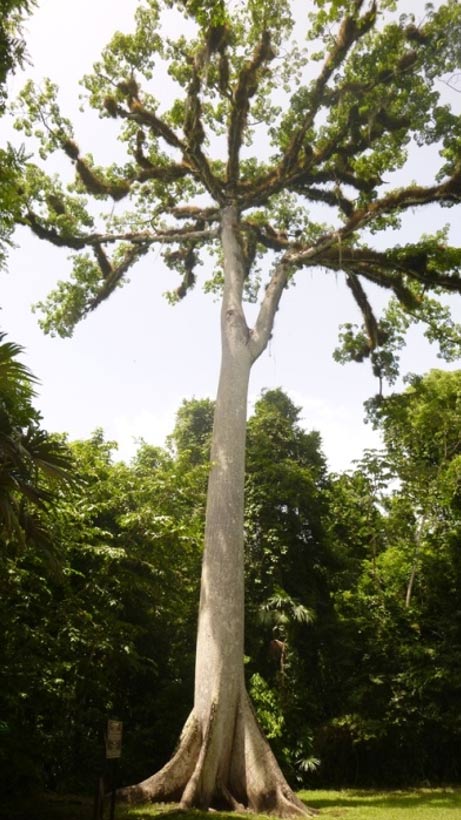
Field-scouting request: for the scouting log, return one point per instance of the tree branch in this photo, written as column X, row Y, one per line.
column 195, row 161
column 99, row 187
column 193, row 127
column 166, row 236
column 115, row 274
column 365, row 308
column 93, row 183
column 321, row 253
column 384, row 269
column 138, row 113
column 195, row 135
column 247, row 86
column 195, row 212
column 262, row 330
column 51, row 234
column 446, row 192
column 350, row 31
column 335, row 197
column 167, row 172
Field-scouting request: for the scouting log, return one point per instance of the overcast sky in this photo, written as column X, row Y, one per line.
column 131, row 363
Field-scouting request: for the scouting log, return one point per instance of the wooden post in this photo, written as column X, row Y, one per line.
column 113, row 753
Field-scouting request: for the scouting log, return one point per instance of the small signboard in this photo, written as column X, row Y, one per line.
column 114, row 739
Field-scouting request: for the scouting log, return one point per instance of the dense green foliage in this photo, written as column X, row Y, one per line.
column 34, row 469
column 355, row 680
column 109, row 627
column 12, row 57
column 12, row 46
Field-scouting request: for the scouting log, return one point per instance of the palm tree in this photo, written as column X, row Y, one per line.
column 31, row 461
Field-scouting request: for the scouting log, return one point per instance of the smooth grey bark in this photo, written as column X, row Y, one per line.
column 223, row 757
column 414, row 565
column 219, row 658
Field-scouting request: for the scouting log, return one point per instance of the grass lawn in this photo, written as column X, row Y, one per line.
column 420, row 804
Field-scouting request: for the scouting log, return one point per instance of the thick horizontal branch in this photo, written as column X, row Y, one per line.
column 269, row 238
column 164, row 173
column 187, row 233
column 76, row 242
column 50, row 234
column 92, row 182
column 335, row 197
column 400, row 200
column 197, row 213
column 340, row 173
column 447, row 192
column 384, row 269
column 258, row 192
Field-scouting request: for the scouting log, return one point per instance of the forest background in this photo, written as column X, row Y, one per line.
column 353, row 617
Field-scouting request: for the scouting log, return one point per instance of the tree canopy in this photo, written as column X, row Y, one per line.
column 310, row 142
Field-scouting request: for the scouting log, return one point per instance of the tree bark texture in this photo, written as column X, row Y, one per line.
column 223, row 758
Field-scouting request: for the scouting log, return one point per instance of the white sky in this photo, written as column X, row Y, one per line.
column 130, row 364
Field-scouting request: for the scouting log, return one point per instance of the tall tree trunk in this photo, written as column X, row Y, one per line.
column 223, row 757
column 414, row 565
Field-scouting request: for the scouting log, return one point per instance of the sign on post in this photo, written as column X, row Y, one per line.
column 114, row 739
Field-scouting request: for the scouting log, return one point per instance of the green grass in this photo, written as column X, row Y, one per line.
column 417, row 804
column 420, row 804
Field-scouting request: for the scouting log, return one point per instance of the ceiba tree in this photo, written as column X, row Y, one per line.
column 272, row 159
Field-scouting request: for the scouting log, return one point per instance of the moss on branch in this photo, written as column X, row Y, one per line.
column 245, row 89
